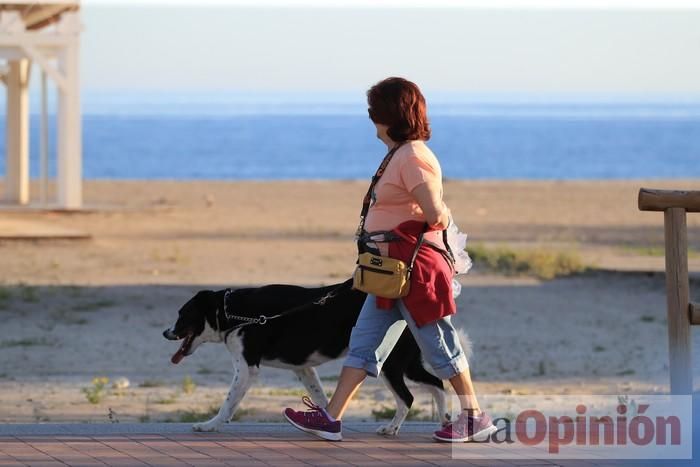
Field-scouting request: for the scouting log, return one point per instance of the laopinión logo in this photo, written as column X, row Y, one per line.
column 585, row 427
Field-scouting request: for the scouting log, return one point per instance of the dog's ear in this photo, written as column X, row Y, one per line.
column 235, row 296
column 206, row 299
column 207, row 303
column 200, row 303
column 203, row 294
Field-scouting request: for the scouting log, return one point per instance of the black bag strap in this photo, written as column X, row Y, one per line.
column 368, row 197
column 450, row 254
column 447, row 253
column 418, row 245
column 368, row 201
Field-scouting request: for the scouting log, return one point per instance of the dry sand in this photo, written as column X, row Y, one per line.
column 75, row 309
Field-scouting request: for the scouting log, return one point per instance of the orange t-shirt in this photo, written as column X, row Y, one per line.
column 392, row 202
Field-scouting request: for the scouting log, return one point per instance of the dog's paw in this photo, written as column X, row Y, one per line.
column 388, row 430
column 206, row 426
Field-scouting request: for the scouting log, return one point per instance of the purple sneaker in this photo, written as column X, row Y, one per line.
column 466, row 428
column 314, row 421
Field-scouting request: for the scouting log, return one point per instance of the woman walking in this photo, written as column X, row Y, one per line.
column 406, row 196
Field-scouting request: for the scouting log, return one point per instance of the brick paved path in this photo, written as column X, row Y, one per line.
column 243, row 444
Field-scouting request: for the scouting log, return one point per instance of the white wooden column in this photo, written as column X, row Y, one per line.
column 17, row 133
column 69, row 143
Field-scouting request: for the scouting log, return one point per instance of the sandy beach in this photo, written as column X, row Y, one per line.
column 77, row 309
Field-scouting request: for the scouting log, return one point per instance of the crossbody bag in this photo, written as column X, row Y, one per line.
column 381, row 275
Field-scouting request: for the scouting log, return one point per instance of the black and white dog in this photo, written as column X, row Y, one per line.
column 304, row 327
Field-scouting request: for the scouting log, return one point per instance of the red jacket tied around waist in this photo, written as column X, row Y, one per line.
column 430, row 297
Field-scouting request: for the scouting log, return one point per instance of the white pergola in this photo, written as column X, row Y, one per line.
column 45, row 33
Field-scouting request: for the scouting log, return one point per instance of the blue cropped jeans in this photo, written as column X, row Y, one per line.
column 377, row 331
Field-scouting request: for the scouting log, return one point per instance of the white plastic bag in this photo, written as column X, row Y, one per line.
column 463, row 263
column 458, row 243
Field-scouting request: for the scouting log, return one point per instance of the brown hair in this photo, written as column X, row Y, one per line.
column 399, row 104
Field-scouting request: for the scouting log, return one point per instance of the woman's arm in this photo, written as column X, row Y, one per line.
column 430, row 201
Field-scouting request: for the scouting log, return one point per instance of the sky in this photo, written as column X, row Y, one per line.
column 303, row 47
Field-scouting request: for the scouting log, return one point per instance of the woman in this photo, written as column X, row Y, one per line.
column 408, row 194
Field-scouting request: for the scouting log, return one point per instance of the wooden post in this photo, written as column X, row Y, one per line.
column 22, row 43
column 69, row 144
column 17, row 133
column 44, row 143
column 681, row 313
column 678, row 301
column 661, row 200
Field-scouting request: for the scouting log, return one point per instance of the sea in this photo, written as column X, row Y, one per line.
column 299, row 136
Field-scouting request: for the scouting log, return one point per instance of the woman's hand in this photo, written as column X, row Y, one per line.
column 430, row 201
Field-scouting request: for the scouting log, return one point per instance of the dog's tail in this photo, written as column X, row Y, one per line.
column 467, row 347
column 467, row 344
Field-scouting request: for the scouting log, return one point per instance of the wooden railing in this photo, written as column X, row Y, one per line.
column 681, row 313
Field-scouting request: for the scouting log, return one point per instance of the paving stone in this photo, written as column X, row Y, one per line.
column 251, row 445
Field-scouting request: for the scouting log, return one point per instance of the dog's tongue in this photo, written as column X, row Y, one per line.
column 184, row 347
column 177, row 356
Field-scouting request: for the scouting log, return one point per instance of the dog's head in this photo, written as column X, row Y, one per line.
column 196, row 323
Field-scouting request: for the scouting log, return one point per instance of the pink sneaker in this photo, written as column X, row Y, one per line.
column 314, row 421
column 466, row 428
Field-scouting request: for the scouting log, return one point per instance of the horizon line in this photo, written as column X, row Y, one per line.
column 419, row 4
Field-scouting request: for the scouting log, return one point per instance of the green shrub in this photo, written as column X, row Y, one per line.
column 26, row 342
column 541, row 263
column 96, row 391
column 192, row 416
column 656, row 251
column 166, row 400
column 152, row 383
column 287, row 392
column 93, row 306
column 188, row 385
column 240, row 413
